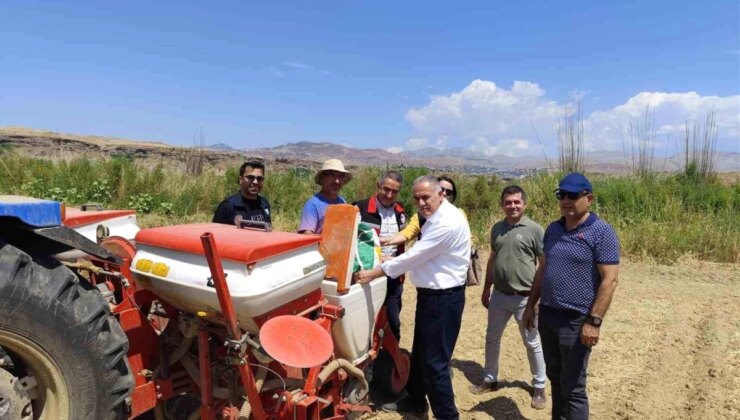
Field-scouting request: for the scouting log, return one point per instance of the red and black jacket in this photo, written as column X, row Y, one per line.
column 369, row 214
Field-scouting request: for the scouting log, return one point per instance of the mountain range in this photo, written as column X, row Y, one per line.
column 46, row 144
column 466, row 160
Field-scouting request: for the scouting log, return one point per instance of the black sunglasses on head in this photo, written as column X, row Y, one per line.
column 252, row 178
column 560, row 195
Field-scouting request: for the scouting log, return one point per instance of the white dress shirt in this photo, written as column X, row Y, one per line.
column 388, row 227
column 440, row 259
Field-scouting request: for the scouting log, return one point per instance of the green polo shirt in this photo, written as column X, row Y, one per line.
column 517, row 248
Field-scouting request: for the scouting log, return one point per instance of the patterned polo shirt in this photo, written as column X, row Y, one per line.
column 571, row 274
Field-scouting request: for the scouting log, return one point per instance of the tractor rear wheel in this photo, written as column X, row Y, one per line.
column 60, row 341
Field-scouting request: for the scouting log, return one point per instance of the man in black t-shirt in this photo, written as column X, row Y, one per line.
column 247, row 204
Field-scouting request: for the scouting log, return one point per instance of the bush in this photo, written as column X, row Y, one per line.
column 661, row 217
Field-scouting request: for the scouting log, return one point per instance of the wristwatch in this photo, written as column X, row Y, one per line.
column 594, row 320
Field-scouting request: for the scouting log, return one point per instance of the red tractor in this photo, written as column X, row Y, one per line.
column 184, row 322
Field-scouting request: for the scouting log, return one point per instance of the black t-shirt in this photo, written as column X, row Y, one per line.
column 257, row 209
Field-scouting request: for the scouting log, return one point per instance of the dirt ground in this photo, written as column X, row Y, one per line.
column 669, row 349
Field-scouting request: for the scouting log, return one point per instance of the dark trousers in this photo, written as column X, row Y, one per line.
column 393, row 298
column 436, row 327
column 566, row 361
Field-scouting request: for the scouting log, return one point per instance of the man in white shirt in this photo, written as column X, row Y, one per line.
column 438, row 265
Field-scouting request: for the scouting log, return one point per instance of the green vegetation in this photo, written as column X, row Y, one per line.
column 660, row 217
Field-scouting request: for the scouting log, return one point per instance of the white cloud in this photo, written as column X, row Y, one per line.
column 296, row 65
column 671, row 113
column 416, row 143
column 483, row 109
column 507, row 147
column 276, row 72
column 494, row 120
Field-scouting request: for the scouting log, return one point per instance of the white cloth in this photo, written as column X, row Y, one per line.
column 388, row 227
column 440, row 259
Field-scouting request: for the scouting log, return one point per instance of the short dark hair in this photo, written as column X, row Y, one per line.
column 513, row 189
column 454, row 187
column 254, row 164
column 394, row 175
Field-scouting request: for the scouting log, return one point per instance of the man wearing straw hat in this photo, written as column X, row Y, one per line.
column 332, row 177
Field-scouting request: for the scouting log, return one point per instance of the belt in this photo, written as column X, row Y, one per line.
column 436, row 292
column 517, row 293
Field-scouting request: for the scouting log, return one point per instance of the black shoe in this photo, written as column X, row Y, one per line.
column 405, row 405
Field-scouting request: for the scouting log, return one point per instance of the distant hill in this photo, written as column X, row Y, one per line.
column 54, row 145
column 221, row 146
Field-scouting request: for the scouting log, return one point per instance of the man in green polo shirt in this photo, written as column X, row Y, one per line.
column 516, row 248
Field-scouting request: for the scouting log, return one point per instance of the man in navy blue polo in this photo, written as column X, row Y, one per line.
column 574, row 285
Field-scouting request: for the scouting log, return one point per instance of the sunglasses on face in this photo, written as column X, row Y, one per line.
column 252, row 178
column 561, row 195
column 448, row 192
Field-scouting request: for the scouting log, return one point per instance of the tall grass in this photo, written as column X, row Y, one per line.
column 700, row 147
column 571, row 139
column 662, row 217
column 639, row 149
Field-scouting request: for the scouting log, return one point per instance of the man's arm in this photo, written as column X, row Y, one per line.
column 486, row 293
column 411, row 231
column 366, row 276
column 535, row 292
column 396, row 239
column 434, row 242
column 309, row 218
column 609, row 277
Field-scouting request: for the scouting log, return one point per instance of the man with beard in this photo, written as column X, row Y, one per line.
column 246, row 204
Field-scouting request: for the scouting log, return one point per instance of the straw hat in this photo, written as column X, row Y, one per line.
column 332, row 165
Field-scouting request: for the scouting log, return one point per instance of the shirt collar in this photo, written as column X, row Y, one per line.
column 522, row 222
column 374, row 205
column 441, row 209
column 592, row 217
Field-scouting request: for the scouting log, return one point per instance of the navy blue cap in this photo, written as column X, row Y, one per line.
column 575, row 183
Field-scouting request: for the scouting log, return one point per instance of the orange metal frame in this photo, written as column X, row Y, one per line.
column 145, row 351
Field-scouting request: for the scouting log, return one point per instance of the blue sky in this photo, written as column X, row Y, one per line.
column 396, row 75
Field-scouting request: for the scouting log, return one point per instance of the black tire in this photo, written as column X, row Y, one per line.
column 382, row 373
column 62, row 332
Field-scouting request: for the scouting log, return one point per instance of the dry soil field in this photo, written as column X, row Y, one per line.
column 670, row 349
